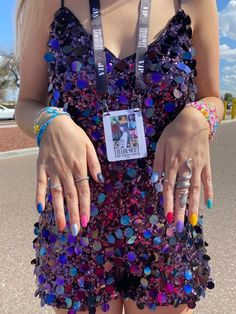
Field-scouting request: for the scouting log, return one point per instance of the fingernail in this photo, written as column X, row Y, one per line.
column 74, row 229
column 84, row 221
column 39, row 208
column 154, row 177
column 193, row 219
column 209, row 203
column 100, row 177
column 169, row 217
column 179, row 226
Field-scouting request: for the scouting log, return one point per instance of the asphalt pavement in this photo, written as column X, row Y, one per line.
column 18, row 215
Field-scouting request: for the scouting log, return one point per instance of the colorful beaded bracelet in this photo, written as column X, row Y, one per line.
column 42, row 112
column 209, row 112
column 39, row 129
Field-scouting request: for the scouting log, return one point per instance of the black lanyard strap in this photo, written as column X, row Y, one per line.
column 142, row 42
column 98, row 46
column 99, row 50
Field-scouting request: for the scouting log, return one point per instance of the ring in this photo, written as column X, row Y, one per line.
column 167, row 180
column 187, row 177
column 183, row 197
column 81, row 179
column 171, row 182
column 183, row 184
column 56, row 186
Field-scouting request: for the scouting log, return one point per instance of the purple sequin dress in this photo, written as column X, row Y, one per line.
column 128, row 247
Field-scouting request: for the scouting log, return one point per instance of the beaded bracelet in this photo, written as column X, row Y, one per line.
column 43, row 128
column 209, row 112
column 44, row 110
column 39, row 130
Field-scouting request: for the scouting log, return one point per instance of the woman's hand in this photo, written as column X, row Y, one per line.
column 185, row 137
column 64, row 152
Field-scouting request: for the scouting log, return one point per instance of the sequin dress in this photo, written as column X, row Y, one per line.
column 128, row 248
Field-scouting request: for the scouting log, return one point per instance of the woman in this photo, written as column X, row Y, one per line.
column 123, row 141
column 132, row 235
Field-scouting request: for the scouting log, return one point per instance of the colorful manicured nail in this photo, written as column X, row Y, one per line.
column 154, row 177
column 193, row 219
column 39, row 208
column 179, row 226
column 209, row 203
column 169, row 217
column 84, row 221
column 74, row 229
column 100, row 177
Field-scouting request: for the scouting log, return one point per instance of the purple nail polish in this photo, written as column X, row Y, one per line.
column 100, row 177
column 179, row 226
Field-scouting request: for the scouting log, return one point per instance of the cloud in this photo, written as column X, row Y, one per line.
column 227, row 53
column 228, row 79
column 227, row 20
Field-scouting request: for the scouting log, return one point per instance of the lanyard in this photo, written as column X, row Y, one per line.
column 99, row 50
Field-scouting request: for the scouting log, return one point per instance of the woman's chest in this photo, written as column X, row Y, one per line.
column 168, row 72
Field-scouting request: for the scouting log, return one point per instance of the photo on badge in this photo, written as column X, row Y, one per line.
column 124, row 134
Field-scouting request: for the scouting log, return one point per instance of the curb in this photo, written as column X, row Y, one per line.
column 19, row 153
column 228, row 121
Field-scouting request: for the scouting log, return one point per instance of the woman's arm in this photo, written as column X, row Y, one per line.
column 65, row 151
column 33, row 94
column 206, row 43
column 187, row 136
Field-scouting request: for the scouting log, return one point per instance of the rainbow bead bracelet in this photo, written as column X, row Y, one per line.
column 209, row 112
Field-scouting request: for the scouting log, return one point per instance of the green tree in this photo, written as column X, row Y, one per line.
column 228, row 97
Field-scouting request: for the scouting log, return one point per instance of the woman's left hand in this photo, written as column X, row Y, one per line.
column 187, row 136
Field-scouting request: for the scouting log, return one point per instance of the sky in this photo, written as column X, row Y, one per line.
column 227, row 33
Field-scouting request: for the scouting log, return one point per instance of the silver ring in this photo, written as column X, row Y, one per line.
column 183, row 197
column 187, row 177
column 167, row 180
column 183, row 184
column 81, row 179
column 56, row 186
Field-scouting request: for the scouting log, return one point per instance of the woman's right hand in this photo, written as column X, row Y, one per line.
column 64, row 152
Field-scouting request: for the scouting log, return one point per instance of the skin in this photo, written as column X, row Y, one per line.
column 187, row 136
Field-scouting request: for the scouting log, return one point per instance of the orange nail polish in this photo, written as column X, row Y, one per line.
column 193, row 219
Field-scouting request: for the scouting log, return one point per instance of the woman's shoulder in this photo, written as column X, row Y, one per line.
column 200, row 10
column 199, row 7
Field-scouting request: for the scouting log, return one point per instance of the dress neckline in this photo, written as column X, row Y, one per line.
column 163, row 33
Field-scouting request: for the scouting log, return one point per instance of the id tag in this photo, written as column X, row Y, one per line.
column 124, row 134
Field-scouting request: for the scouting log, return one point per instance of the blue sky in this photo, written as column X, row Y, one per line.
column 227, row 21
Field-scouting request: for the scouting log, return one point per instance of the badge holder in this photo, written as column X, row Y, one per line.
column 123, row 129
column 124, row 134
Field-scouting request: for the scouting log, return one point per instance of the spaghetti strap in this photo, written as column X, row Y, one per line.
column 179, row 5
column 62, row 3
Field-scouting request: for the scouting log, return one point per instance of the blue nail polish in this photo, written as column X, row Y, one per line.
column 39, row 208
column 74, row 229
column 179, row 226
column 100, row 177
column 154, row 177
column 209, row 203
